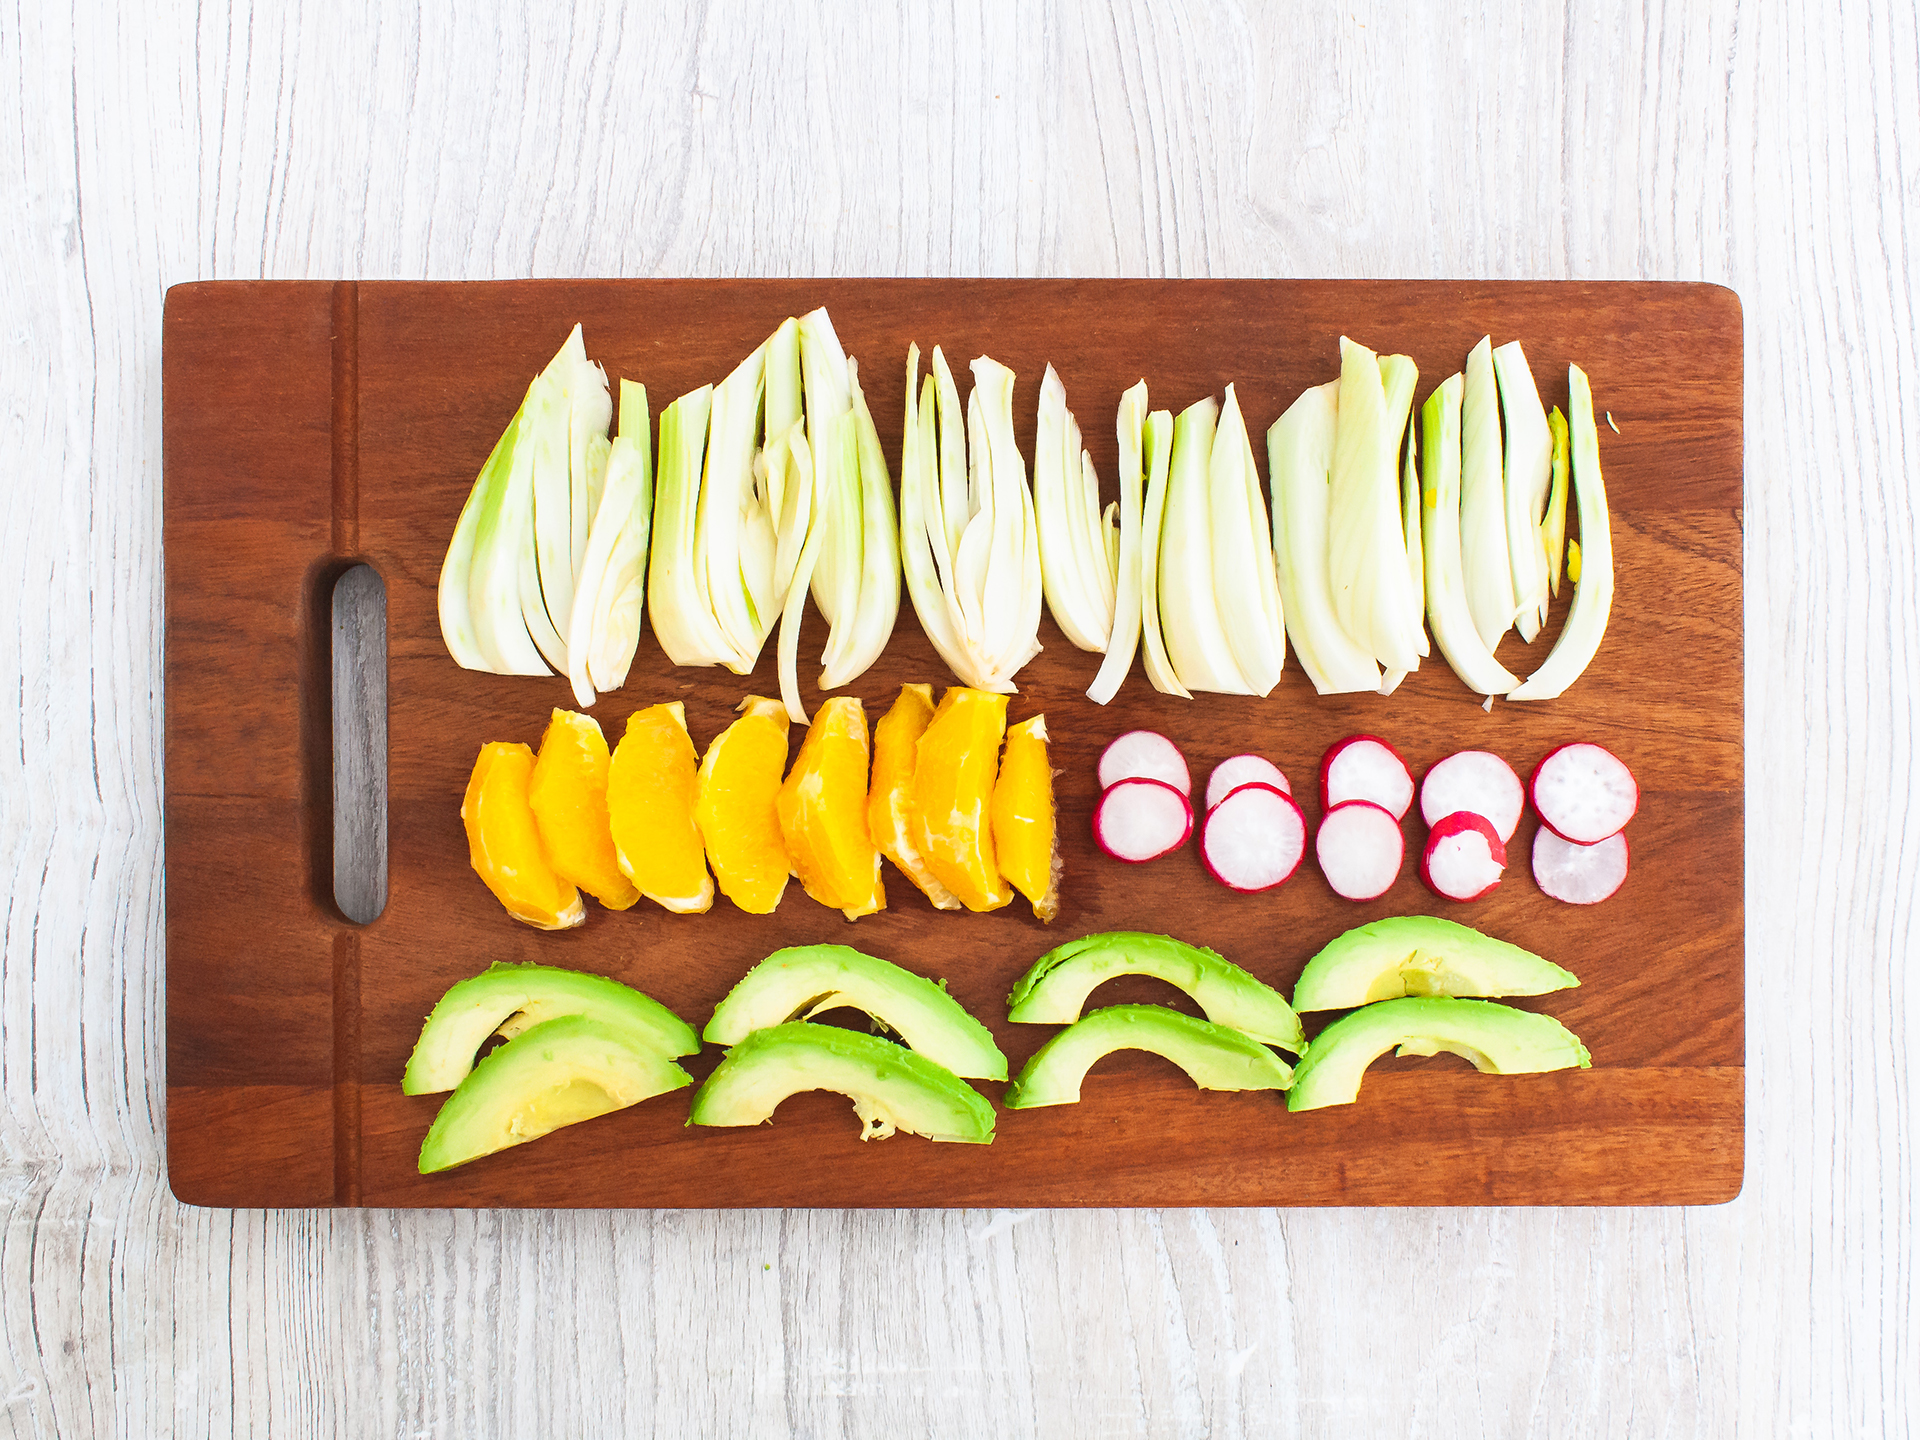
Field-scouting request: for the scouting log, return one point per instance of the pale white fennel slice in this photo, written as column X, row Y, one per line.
column 1246, row 589
column 1447, row 609
column 1366, row 552
column 1299, row 465
column 1483, row 514
column 1190, row 621
column 609, row 596
column 1593, row 590
column 1528, row 465
column 1130, row 426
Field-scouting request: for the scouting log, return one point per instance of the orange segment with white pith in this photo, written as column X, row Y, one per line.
column 1025, row 844
column 503, row 841
column 734, row 806
column 650, row 793
column 568, row 793
column 822, row 807
column 956, row 761
column 890, row 800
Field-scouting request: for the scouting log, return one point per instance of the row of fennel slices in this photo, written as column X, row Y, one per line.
column 933, row 793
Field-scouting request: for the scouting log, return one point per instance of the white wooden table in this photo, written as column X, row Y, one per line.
column 1773, row 147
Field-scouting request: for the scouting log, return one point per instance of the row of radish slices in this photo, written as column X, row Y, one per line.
column 1254, row 836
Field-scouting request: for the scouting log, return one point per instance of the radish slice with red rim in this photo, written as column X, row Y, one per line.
column 1584, row 793
column 1360, row 849
column 1144, row 755
column 1140, row 820
column 1579, row 874
column 1365, row 767
column 1253, row 839
column 1477, row 781
column 1229, row 775
column 1465, row 856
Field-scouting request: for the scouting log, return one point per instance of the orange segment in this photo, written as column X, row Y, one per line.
column 823, row 812
column 503, row 841
column 890, row 801
column 953, row 774
column 734, row 806
column 568, row 793
column 1023, row 829
column 650, row 789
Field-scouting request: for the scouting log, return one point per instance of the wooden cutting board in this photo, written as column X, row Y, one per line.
column 311, row 426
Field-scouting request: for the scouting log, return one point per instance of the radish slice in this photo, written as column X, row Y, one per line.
column 1476, row 781
column 1579, row 874
column 1365, row 767
column 1144, row 755
column 1464, row 858
column 1229, row 775
column 1360, row 849
column 1138, row 820
column 1254, row 838
column 1584, row 793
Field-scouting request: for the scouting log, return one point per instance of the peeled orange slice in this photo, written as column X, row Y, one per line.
column 503, row 840
column 890, row 800
column 823, row 812
column 1024, row 844
column 733, row 806
column 568, row 793
column 650, row 789
column 955, row 763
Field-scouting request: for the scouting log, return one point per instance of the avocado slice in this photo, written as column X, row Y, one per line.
column 1216, row 1057
column 559, row 1072
column 1420, row 955
column 1498, row 1039
column 891, row 1087
column 511, row 999
column 804, row 980
column 1055, row 989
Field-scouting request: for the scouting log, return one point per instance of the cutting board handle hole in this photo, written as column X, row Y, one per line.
column 359, row 648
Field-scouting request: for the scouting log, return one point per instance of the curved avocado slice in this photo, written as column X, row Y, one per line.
column 1055, row 989
column 511, row 999
column 804, row 980
column 1420, row 955
column 559, row 1072
column 1498, row 1039
column 1216, row 1057
column 891, row 1087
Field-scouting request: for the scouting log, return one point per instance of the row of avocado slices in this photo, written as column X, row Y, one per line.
column 578, row 1045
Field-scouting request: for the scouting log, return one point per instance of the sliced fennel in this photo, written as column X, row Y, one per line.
column 1593, row 580
column 458, row 616
column 1246, row 585
column 570, row 415
column 610, row 590
column 969, row 536
column 1125, row 636
column 1158, row 444
column 1366, row 547
column 1076, row 564
column 1553, row 529
column 1300, row 464
column 1398, row 376
column 1447, row 608
column 683, row 619
column 1190, row 618
column 1483, row 522
column 1529, row 457
column 731, row 507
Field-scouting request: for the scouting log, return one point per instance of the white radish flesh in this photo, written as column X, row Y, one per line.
column 1229, row 775
column 1365, row 767
column 1140, row 820
column 1579, row 874
column 1464, row 858
column 1360, row 849
column 1144, row 755
column 1584, row 793
column 1253, row 839
column 1475, row 781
